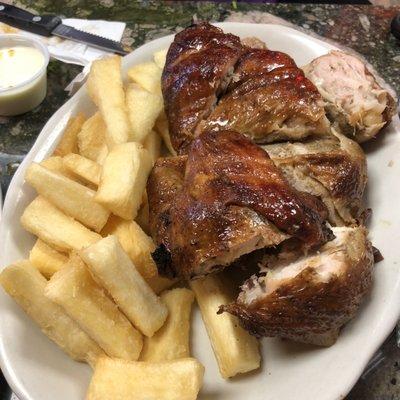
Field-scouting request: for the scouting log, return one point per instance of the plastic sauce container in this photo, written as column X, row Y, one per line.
column 23, row 77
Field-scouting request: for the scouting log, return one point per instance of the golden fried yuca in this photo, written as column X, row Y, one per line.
column 71, row 197
column 152, row 143
column 46, row 259
column 26, row 286
column 68, row 141
column 172, row 340
column 161, row 126
column 143, row 214
column 123, row 179
column 112, row 267
column 159, row 58
column 144, row 108
column 55, row 228
column 105, row 88
column 235, row 349
column 87, row 170
column 146, row 75
column 122, row 380
column 74, row 289
column 55, row 164
column 135, row 242
column 92, row 139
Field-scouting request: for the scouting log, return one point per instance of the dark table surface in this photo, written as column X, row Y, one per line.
column 362, row 28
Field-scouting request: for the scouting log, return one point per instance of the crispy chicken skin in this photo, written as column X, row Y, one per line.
column 268, row 96
column 233, row 201
column 309, row 299
column 333, row 168
column 354, row 99
column 198, row 67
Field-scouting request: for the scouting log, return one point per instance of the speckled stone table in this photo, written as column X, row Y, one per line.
column 363, row 28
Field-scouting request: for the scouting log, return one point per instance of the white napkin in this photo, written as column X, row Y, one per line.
column 72, row 52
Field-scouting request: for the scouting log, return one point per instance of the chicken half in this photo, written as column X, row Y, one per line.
column 332, row 168
column 212, row 81
column 354, row 99
column 308, row 299
column 228, row 200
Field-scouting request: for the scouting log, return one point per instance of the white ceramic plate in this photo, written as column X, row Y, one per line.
column 37, row 370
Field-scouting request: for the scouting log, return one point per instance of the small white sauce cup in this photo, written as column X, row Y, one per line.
column 30, row 93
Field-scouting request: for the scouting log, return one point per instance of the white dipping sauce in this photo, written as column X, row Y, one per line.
column 19, row 64
column 23, row 80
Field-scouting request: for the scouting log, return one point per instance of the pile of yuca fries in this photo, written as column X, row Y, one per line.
column 90, row 282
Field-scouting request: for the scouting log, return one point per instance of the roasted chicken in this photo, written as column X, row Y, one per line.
column 229, row 200
column 353, row 98
column 268, row 98
column 309, row 298
column 333, row 168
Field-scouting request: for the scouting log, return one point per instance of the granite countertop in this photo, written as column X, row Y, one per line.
column 362, row 28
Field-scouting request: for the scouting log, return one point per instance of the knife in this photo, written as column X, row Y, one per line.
column 48, row 25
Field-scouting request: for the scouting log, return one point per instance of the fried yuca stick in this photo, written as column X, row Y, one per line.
column 26, row 286
column 135, row 242
column 55, row 228
column 105, row 88
column 87, row 170
column 92, row 139
column 159, row 58
column 161, row 126
column 123, row 179
column 112, row 267
column 172, row 340
column 71, row 197
column 143, row 214
column 68, row 141
column 147, row 75
column 124, row 380
column 74, row 289
column 152, row 144
column 55, row 164
column 235, row 349
column 46, row 259
column 143, row 108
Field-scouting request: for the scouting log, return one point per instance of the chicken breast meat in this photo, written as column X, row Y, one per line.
column 354, row 100
column 268, row 99
column 332, row 168
column 310, row 298
column 231, row 201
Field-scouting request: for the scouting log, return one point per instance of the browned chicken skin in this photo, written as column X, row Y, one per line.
column 268, row 97
column 309, row 299
column 233, row 201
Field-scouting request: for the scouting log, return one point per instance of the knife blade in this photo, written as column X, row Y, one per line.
column 51, row 25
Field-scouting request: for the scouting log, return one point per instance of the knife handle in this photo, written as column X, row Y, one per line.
column 19, row 18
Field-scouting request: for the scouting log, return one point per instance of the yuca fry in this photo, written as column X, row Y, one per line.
column 172, row 340
column 86, row 169
column 159, row 58
column 26, row 286
column 158, row 283
column 68, row 141
column 143, row 214
column 105, row 88
column 55, row 164
column 112, row 267
column 92, row 139
column 71, row 197
column 146, row 75
column 46, row 259
column 152, row 143
column 55, row 228
column 235, row 349
column 144, row 108
column 74, row 289
column 135, row 242
column 121, row 380
column 161, row 126
column 123, row 179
